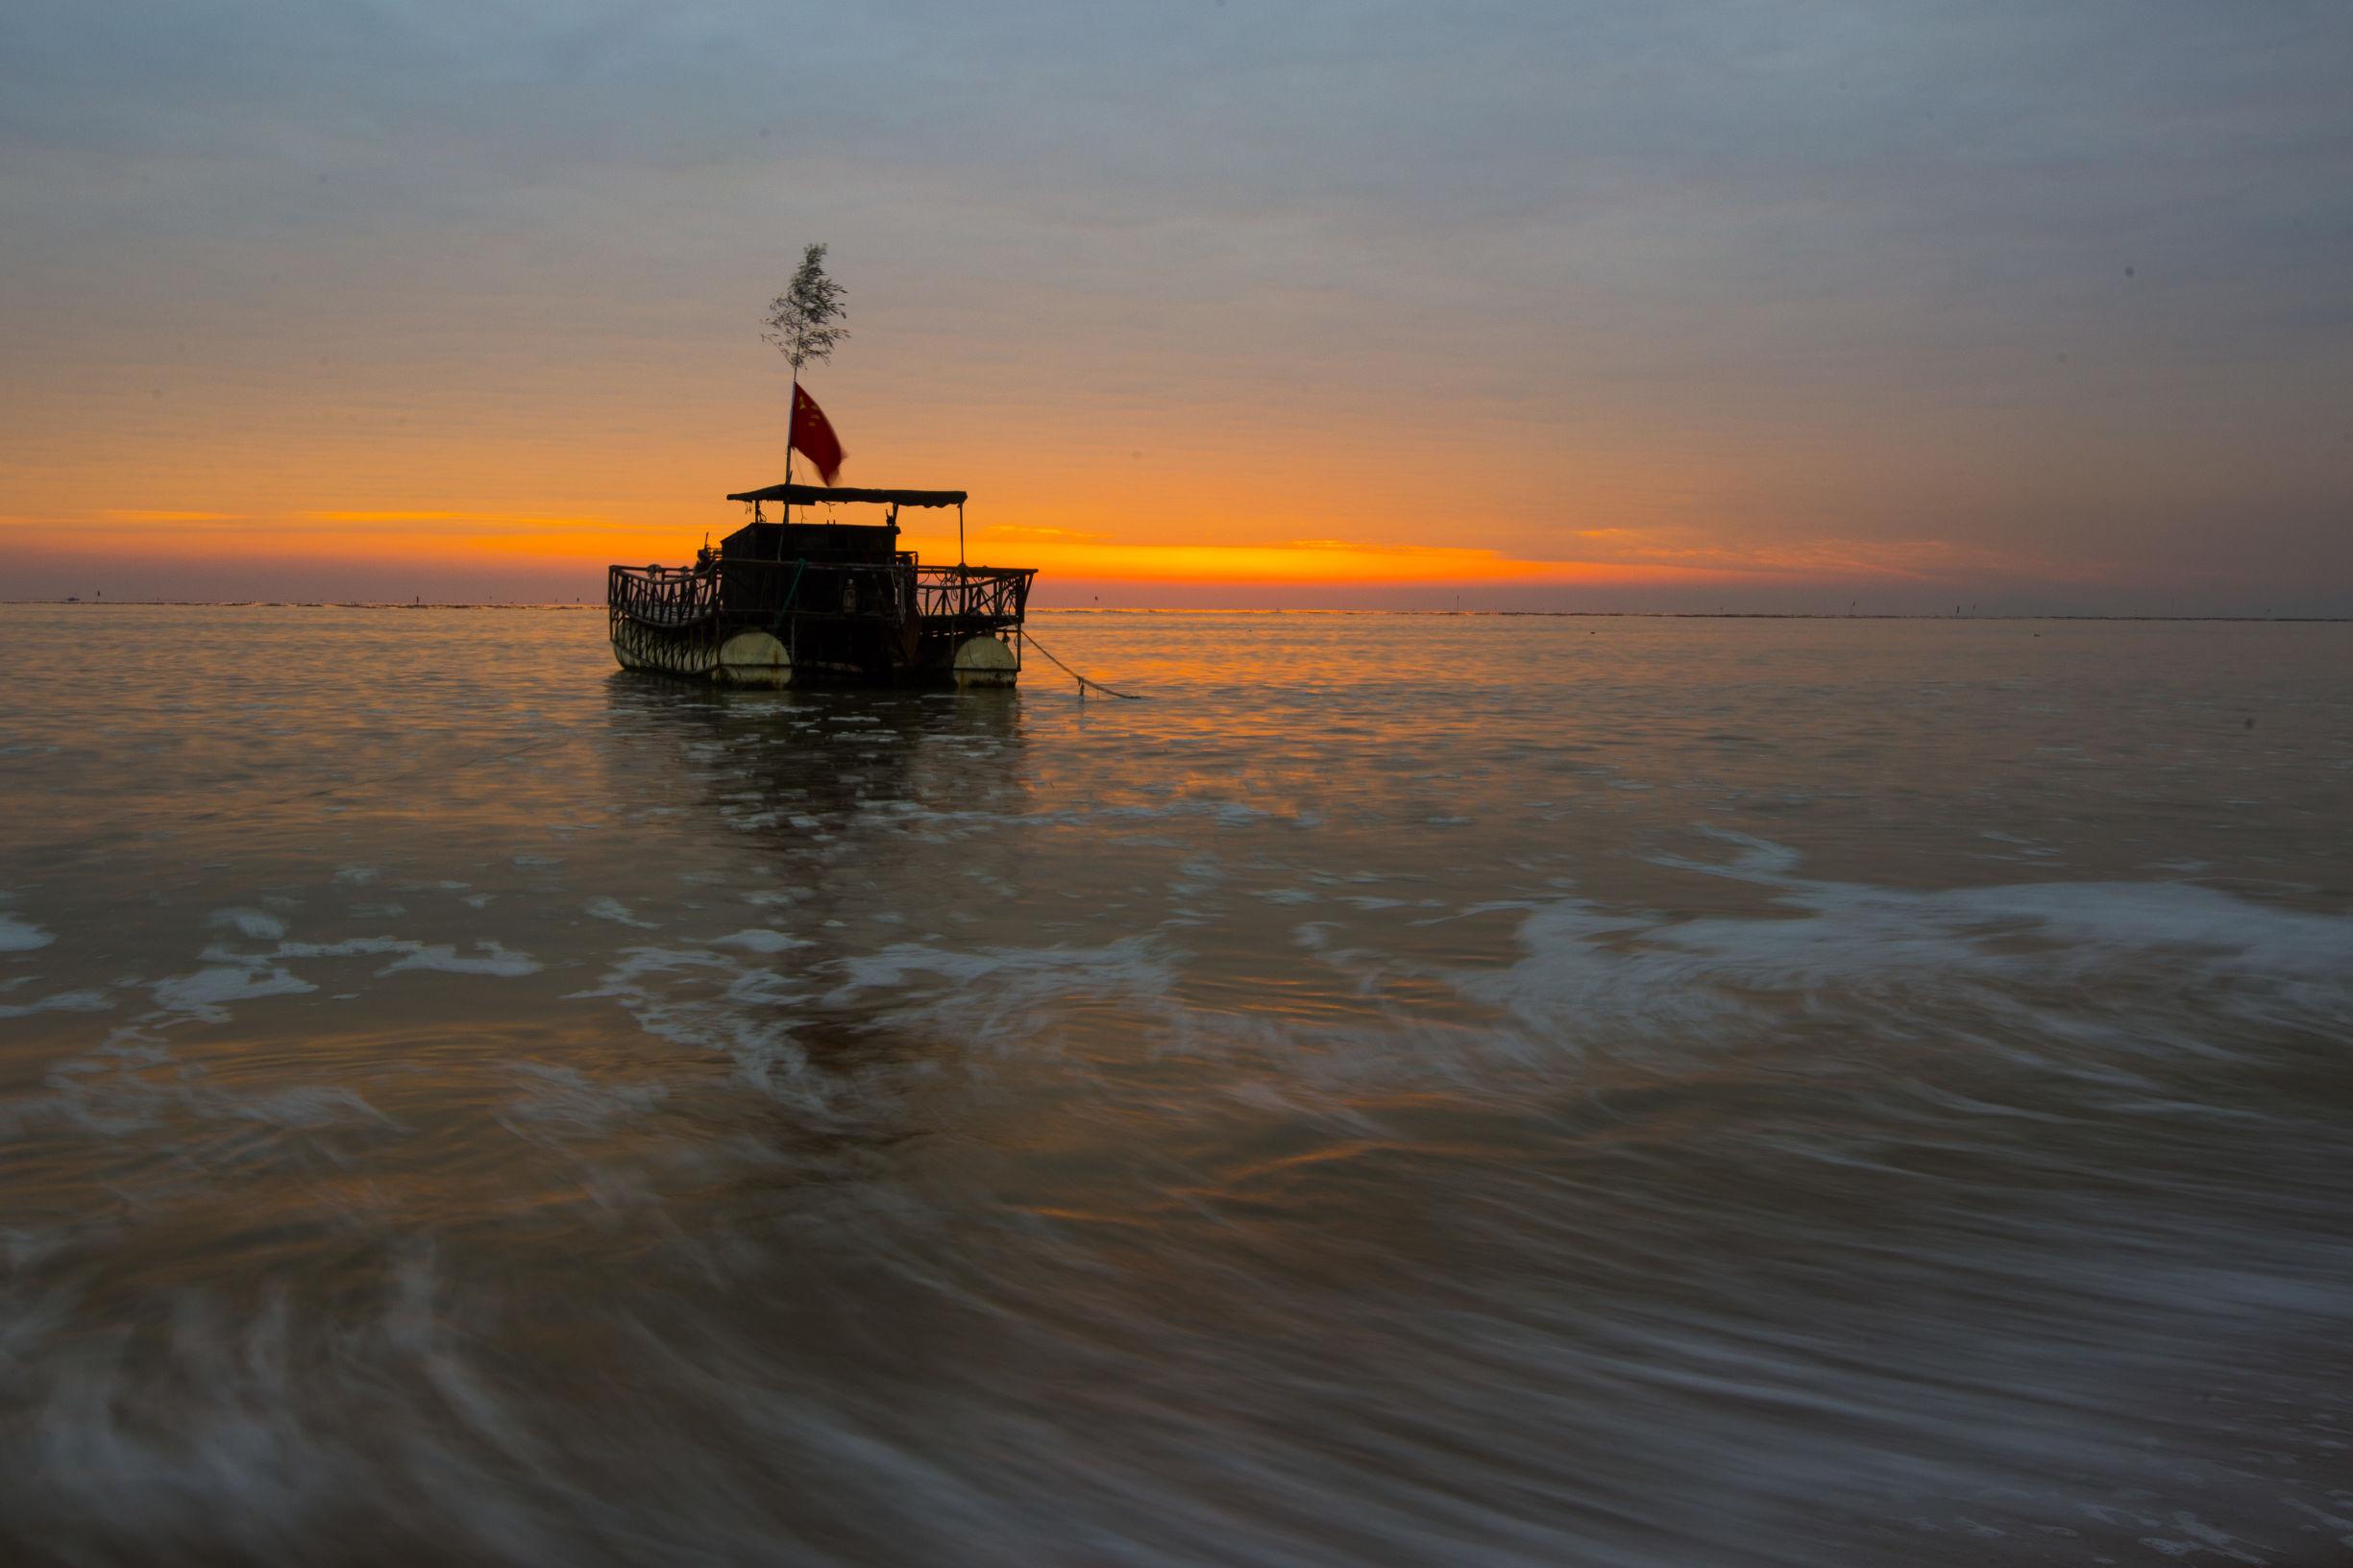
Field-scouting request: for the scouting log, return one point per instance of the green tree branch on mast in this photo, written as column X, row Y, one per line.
column 801, row 319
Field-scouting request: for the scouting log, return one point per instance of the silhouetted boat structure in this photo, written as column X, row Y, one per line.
column 807, row 603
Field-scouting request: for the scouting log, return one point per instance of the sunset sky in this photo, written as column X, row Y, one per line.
column 1541, row 304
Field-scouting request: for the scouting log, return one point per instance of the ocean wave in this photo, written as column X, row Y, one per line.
column 2163, row 958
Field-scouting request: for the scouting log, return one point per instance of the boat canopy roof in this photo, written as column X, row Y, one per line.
column 810, row 495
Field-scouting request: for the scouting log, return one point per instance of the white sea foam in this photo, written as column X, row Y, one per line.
column 247, row 922
column 1129, row 962
column 490, row 957
column 706, row 1000
column 571, row 1100
column 348, row 947
column 301, row 1106
column 207, row 993
column 63, row 1001
column 760, row 940
column 21, row 935
column 617, row 912
column 1003, row 996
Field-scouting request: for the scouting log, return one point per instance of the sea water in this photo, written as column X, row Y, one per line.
column 1413, row 1090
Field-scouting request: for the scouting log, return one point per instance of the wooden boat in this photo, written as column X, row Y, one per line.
column 796, row 603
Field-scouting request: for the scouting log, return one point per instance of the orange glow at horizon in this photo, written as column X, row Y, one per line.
column 1294, row 511
column 1305, row 563
column 415, row 536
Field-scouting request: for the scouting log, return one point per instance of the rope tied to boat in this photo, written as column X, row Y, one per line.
column 1084, row 682
column 792, row 595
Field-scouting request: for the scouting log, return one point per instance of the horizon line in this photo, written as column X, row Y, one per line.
column 1215, row 609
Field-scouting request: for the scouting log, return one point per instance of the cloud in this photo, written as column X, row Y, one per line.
column 1828, row 557
column 1344, row 561
column 1022, row 532
column 492, row 519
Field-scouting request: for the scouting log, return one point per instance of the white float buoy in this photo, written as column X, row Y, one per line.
column 984, row 661
column 753, row 658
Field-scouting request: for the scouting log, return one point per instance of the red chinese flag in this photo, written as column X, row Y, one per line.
column 812, row 435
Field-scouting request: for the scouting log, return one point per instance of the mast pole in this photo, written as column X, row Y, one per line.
column 792, row 423
column 792, row 417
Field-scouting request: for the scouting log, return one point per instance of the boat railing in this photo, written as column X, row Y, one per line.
column 663, row 596
column 992, row 596
column 981, row 597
